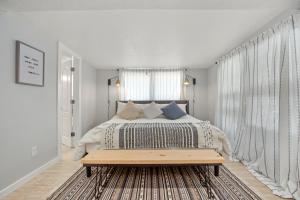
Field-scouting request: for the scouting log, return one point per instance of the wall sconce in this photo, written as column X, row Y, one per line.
column 186, row 82
column 117, row 82
column 109, row 83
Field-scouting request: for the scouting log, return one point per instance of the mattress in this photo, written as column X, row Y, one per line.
column 92, row 147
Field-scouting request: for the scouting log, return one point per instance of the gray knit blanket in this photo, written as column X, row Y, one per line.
column 156, row 135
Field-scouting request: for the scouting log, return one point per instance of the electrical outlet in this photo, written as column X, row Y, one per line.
column 34, row 151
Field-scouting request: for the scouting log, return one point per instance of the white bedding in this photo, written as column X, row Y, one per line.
column 94, row 138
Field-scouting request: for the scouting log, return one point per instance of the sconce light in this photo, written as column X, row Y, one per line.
column 118, row 83
column 188, row 78
column 186, row 81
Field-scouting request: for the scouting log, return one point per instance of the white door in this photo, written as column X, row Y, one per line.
column 75, row 94
column 66, row 94
column 69, row 119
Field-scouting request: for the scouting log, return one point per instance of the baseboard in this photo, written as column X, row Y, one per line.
column 27, row 178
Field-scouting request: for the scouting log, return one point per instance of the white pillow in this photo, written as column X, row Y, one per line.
column 122, row 105
column 152, row 111
column 181, row 106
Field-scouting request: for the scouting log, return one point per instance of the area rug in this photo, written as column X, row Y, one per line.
column 159, row 183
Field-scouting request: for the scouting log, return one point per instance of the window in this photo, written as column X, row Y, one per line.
column 164, row 84
column 135, row 85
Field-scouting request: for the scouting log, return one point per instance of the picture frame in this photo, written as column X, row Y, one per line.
column 30, row 65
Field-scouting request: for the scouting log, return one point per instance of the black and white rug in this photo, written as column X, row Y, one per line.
column 161, row 183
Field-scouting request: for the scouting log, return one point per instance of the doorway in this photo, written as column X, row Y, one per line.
column 69, row 111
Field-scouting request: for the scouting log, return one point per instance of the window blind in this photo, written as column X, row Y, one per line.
column 151, row 84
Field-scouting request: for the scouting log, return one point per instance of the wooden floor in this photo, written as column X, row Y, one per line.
column 44, row 184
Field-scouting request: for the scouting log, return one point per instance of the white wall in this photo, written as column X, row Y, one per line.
column 201, row 94
column 212, row 92
column 27, row 113
column 102, row 94
column 88, row 97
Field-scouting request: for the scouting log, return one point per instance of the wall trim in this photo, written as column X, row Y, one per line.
column 27, row 177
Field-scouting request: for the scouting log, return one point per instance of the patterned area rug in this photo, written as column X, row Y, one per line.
column 182, row 183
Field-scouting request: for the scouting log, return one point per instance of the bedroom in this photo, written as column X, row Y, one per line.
column 224, row 77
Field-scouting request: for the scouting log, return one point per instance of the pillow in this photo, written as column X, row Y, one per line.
column 130, row 112
column 122, row 105
column 152, row 111
column 173, row 111
column 181, row 106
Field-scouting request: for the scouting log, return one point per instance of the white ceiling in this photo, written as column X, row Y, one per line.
column 149, row 37
column 39, row 5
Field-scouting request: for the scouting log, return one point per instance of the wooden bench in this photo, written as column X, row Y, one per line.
column 147, row 158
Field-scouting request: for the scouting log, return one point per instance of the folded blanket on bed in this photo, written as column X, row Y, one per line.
column 155, row 135
column 163, row 135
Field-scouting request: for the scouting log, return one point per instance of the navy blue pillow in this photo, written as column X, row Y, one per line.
column 173, row 111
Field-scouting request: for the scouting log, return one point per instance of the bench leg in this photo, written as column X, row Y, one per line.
column 216, row 170
column 205, row 180
column 88, row 171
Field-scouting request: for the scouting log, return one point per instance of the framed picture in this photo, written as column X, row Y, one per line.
column 30, row 63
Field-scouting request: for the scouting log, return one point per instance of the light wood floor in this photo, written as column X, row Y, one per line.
column 44, row 184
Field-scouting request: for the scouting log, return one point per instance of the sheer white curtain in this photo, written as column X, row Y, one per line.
column 151, row 84
column 258, row 106
column 135, row 84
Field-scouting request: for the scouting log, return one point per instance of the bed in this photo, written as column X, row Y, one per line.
column 159, row 133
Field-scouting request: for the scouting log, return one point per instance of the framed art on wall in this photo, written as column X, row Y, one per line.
column 30, row 63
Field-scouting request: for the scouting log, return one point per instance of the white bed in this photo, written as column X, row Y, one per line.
column 208, row 136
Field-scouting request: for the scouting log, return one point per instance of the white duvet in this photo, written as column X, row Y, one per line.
column 95, row 136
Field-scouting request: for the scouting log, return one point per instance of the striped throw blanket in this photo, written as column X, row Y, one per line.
column 160, row 134
column 156, row 135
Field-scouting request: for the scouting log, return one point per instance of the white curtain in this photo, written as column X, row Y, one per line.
column 259, row 106
column 151, row 84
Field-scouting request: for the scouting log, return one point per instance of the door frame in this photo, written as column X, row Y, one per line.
column 61, row 48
